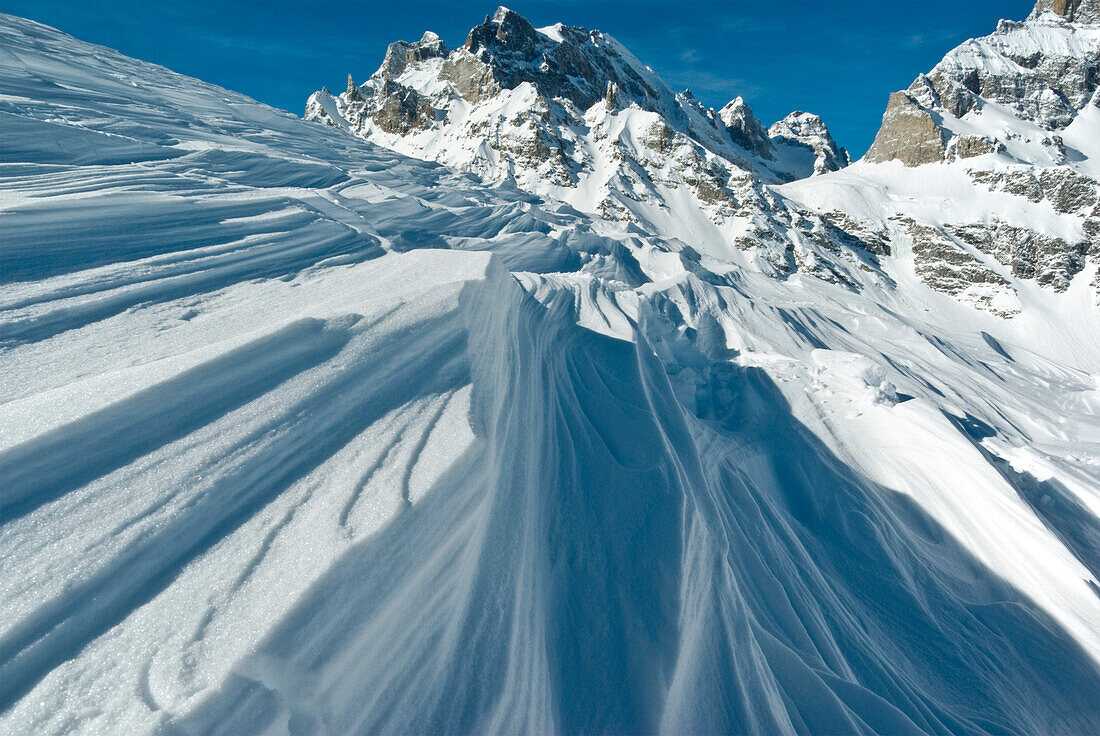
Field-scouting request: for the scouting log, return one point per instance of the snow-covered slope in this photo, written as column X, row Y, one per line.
column 299, row 435
column 985, row 170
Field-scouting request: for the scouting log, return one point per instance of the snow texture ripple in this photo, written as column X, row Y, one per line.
column 299, row 435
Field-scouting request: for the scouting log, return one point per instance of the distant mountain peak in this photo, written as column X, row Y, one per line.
column 570, row 113
column 507, row 30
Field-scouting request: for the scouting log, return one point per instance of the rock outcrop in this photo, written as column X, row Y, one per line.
column 1074, row 11
column 909, row 134
column 744, row 128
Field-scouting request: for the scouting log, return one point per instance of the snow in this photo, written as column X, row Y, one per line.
column 300, row 435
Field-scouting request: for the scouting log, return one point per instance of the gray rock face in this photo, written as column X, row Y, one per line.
column 744, row 128
column 472, row 78
column 353, row 90
column 1050, row 261
column 1048, row 89
column 945, row 267
column 577, row 69
column 1075, row 11
column 400, row 109
column 401, row 53
column 1067, row 191
column 908, row 133
column 969, row 146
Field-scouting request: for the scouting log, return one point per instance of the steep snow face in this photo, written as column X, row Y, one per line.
column 1004, row 134
column 299, row 435
column 571, row 114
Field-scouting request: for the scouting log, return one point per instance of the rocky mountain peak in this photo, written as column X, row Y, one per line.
column 1042, row 73
column 564, row 62
column 570, row 113
column 506, row 30
column 1074, row 11
column 808, row 129
column 400, row 54
column 744, row 128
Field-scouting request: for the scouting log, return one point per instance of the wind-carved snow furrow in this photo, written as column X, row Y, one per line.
column 417, row 422
column 258, row 263
column 424, row 435
column 289, row 451
column 114, row 436
column 59, row 628
column 257, row 559
column 379, row 461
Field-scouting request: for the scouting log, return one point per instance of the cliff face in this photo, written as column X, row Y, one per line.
column 909, row 134
column 1075, row 11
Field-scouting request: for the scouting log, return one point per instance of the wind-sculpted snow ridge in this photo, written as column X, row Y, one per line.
column 299, row 435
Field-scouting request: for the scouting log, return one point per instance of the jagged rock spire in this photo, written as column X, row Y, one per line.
column 353, row 89
column 611, row 95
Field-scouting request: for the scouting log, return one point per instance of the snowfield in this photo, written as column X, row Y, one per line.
column 299, row 435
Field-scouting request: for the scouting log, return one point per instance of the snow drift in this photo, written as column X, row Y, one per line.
column 299, row 435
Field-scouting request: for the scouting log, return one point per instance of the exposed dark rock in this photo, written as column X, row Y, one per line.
column 353, row 92
column 1067, row 190
column 1075, row 11
column 472, row 78
column 1021, row 183
column 844, row 230
column 744, row 128
column 402, row 109
column 946, row 267
column 969, row 146
column 402, row 53
column 1031, row 255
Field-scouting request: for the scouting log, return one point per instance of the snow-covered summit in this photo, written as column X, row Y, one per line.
column 1011, row 92
column 571, row 114
column 985, row 169
column 808, row 129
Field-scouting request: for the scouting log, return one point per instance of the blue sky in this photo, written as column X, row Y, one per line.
column 839, row 59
